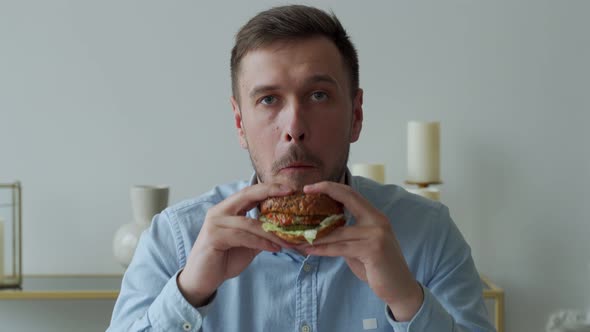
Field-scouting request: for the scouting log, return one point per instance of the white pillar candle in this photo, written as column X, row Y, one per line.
column 430, row 193
column 423, row 152
column 375, row 172
column 1, row 249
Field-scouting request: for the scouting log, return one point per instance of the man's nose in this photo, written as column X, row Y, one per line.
column 296, row 128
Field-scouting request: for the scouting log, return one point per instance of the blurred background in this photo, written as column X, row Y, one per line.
column 96, row 96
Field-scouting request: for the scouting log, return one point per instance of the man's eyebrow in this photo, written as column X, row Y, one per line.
column 262, row 89
column 319, row 78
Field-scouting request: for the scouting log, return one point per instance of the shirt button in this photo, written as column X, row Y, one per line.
column 307, row 268
column 305, row 328
column 187, row 326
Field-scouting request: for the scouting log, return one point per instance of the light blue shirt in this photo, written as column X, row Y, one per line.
column 286, row 291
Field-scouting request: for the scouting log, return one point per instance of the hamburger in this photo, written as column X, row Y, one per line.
column 301, row 217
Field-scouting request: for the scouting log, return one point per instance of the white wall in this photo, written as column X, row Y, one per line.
column 97, row 96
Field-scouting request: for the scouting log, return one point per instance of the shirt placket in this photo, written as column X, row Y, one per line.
column 306, row 306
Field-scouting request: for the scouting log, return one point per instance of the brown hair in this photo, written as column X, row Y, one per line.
column 293, row 22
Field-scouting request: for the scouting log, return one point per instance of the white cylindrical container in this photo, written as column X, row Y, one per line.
column 375, row 172
column 423, row 152
column 148, row 201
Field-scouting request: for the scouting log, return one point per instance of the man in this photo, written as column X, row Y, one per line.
column 399, row 264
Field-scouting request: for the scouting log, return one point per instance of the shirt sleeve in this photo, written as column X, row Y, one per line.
column 453, row 297
column 149, row 299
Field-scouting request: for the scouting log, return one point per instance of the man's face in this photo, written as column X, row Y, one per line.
column 295, row 113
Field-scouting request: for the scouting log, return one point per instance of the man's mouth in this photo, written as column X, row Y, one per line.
column 297, row 166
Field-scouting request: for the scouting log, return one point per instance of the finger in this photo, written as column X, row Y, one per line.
column 354, row 202
column 247, row 198
column 252, row 226
column 233, row 238
column 343, row 234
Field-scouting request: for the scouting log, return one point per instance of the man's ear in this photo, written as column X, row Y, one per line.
column 238, row 122
column 357, row 116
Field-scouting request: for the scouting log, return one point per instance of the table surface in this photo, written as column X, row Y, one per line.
column 106, row 287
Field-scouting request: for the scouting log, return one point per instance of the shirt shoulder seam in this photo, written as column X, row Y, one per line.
column 174, row 224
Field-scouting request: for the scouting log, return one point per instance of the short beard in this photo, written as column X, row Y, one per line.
column 299, row 154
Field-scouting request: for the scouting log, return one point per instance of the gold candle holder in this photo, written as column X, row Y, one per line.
column 422, row 184
column 10, row 235
column 425, row 189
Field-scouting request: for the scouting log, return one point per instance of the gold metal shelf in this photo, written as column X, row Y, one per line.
column 66, row 287
column 493, row 292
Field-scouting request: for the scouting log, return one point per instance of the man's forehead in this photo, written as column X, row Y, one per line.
column 309, row 60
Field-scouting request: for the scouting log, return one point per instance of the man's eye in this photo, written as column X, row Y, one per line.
column 319, row 96
column 268, row 100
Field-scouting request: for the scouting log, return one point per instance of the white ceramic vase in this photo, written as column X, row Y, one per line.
column 146, row 201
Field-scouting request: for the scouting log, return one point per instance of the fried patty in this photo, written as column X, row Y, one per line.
column 302, row 205
column 285, row 220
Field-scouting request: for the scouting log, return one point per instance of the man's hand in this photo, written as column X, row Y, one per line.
column 371, row 250
column 227, row 243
